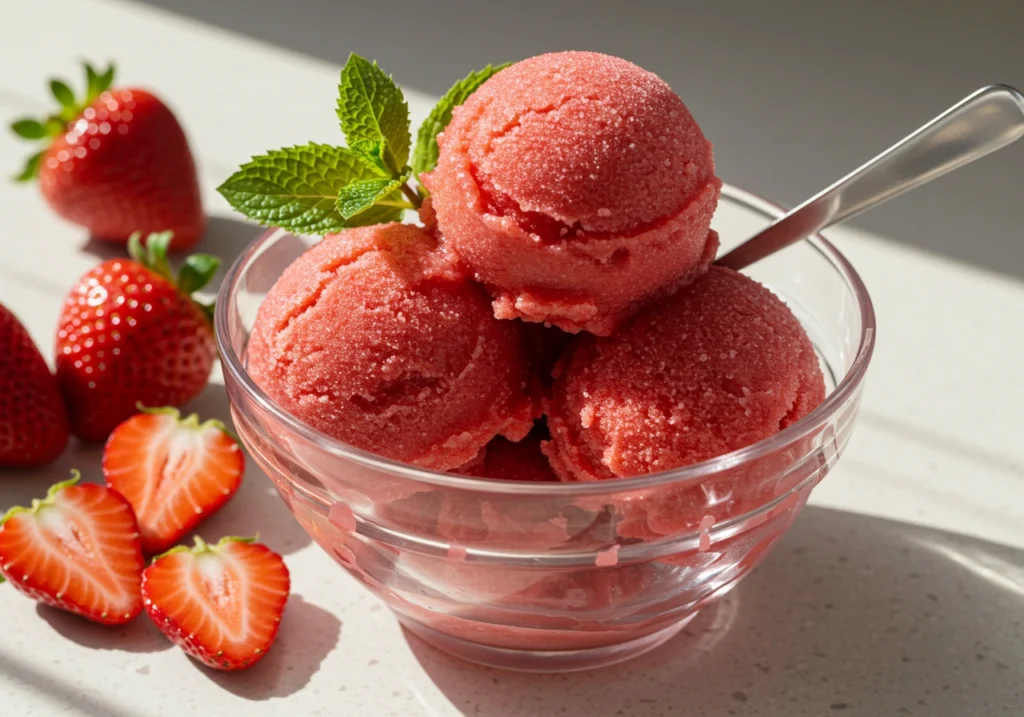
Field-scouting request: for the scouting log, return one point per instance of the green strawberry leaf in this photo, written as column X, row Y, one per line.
column 152, row 254
column 357, row 197
column 51, row 497
column 29, row 128
column 196, row 272
column 371, row 107
column 62, row 93
column 297, row 188
column 31, row 168
column 425, row 156
column 93, row 83
column 107, row 78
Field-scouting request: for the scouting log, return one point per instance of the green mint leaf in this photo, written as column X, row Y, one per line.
column 29, row 129
column 62, row 93
column 371, row 107
column 357, row 197
column 425, row 156
column 379, row 213
column 374, row 155
column 31, row 169
column 297, row 188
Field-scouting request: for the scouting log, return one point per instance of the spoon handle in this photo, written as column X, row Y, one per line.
column 983, row 122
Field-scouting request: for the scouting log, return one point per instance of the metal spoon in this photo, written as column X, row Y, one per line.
column 983, row 122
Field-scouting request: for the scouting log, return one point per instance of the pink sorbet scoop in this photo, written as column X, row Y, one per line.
column 374, row 338
column 717, row 367
column 576, row 186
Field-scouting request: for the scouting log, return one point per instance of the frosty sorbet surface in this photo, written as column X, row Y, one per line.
column 576, row 186
column 373, row 338
column 719, row 366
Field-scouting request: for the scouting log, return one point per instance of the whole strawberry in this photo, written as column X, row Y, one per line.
column 76, row 550
column 131, row 333
column 33, row 422
column 117, row 162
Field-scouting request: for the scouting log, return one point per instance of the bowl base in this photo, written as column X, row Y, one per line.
column 543, row 660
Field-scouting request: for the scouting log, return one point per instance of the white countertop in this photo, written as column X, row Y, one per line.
column 899, row 591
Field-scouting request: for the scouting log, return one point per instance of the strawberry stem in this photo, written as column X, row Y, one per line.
column 39, row 503
column 201, row 547
column 412, row 195
column 69, row 108
column 152, row 254
column 161, row 411
column 190, row 421
column 196, row 271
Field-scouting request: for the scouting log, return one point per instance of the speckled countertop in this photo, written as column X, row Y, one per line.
column 899, row 591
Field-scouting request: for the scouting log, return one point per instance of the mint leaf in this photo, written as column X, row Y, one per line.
column 29, row 129
column 374, row 155
column 357, row 197
column 379, row 213
column 297, row 188
column 425, row 156
column 372, row 108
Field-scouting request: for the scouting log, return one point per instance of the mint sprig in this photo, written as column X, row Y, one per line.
column 373, row 113
column 357, row 197
column 320, row 189
column 425, row 157
column 297, row 188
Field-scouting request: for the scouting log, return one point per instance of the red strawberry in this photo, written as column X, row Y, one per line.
column 175, row 472
column 130, row 333
column 117, row 162
column 77, row 550
column 33, row 422
column 220, row 603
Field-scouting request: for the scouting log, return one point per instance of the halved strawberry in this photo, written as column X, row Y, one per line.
column 175, row 472
column 222, row 604
column 77, row 550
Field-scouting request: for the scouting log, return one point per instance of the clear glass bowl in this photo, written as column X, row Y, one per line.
column 541, row 576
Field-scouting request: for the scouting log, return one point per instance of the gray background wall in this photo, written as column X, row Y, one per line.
column 794, row 93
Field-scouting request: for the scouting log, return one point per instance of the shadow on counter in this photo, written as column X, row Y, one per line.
column 794, row 94
column 851, row 615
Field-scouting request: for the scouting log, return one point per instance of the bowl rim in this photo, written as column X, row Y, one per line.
column 231, row 364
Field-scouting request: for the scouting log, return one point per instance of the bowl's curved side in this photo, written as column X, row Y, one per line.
column 550, row 576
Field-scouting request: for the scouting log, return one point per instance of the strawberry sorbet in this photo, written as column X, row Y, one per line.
column 505, row 460
column 576, row 186
column 717, row 367
column 374, row 338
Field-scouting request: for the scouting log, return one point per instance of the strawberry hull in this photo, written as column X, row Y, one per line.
column 131, row 334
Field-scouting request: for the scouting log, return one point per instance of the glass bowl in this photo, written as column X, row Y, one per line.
column 558, row 576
